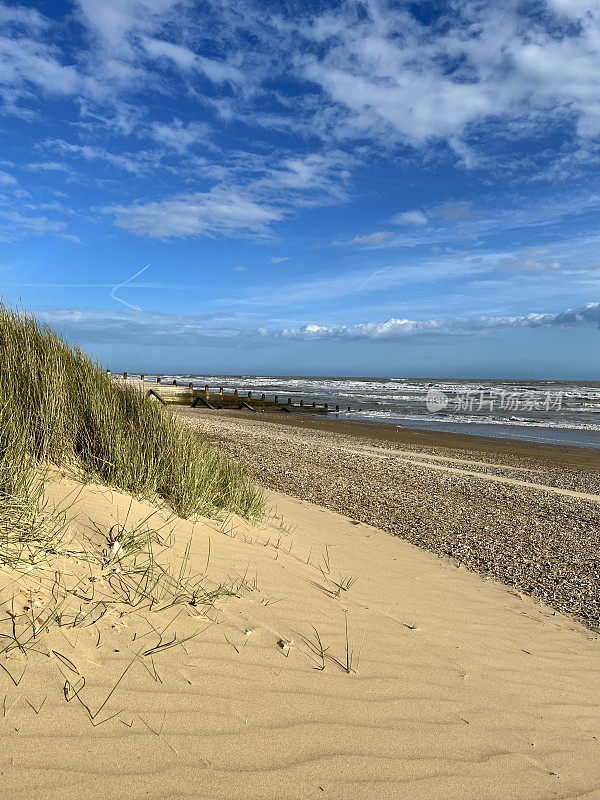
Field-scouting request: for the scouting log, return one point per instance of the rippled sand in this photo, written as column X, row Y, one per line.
column 458, row 687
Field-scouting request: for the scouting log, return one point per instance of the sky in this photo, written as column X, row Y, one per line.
column 366, row 188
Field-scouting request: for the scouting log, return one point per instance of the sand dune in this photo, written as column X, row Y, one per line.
column 457, row 686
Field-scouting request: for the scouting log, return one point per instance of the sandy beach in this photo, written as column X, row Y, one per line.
column 414, row 679
column 323, row 657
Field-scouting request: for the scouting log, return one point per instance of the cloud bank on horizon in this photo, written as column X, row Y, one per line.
column 153, row 328
column 320, row 171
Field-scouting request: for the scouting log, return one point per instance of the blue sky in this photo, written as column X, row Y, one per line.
column 354, row 188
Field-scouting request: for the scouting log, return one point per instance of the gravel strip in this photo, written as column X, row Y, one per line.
column 541, row 544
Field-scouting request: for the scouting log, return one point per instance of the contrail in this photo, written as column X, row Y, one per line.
column 370, row 278
column 119, row 285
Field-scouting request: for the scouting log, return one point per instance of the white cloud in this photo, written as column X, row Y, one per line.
column 147, row 328
column 393, row 78
column 113, row 22
column 456, row 211
column 531, row 260
column 151, row 328
column 24, row 61
column 382, row 74
column 222, row 211
column 134, row 163
column 279, row 259
column 6, row 179
column 575, row 9
column 409, row 218
column 268, row 195
column 123, row 43
column 398, row 329
column 184, row 58
column 377, row 239
column 178, row 136
column 47, row 166
column 316, row 177
column 28, row 18
column 15, row 226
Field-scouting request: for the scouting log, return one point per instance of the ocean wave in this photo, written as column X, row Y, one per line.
column 388, row 398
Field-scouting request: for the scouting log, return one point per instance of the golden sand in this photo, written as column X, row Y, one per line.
column 348, row 664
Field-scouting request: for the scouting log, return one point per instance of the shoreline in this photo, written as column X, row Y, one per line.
column 588, row 438
column 392, row 434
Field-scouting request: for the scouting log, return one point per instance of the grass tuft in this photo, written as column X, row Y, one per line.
column 58, row 407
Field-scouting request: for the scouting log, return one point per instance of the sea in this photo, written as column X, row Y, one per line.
column 553, row 412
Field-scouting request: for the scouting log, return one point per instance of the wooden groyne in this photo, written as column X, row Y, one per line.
column 176, row 393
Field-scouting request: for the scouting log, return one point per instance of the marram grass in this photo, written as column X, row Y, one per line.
column 58, row 407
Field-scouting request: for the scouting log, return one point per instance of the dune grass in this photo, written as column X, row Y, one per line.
column 57, row 407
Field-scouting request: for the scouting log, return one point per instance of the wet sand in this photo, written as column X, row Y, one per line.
column 497, row 447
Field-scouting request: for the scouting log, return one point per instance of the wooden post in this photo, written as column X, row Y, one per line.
column 124, row 376
column 276, row 400
column 152, row 393
column 158, row 378
column 204, row 402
